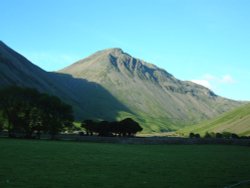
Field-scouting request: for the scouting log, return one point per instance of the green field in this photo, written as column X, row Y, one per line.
column 34, row 163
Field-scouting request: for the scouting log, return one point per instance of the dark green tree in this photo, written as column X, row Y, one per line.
column 28, row 111
column 104, row 128
column 115, row 127
column 1, row 121
column 191, row 135
column 197, row 135
column 126, row 127
column 207, row 135
column 55, row 115
column 226, row 135
column 15, row 104
column 130, row 127
column 234, row 136
column 90, row 126
column 218, row 135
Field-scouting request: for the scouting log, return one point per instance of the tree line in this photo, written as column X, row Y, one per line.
column 26, row 111
column 126, row 127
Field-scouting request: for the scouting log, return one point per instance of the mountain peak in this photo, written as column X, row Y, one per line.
column 114, row 50
column 112, row 61
column 110, row 51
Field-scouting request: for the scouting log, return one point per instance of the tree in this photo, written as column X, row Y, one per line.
column 27, row 111
column 104, row 128
column 115, row 127
column 207, row 135
column 191, row 135
column 1, row 122
column 226, row 135
column 89, row 126
column 55, row 115
column 126, row 127
column 234, row 136
column 130, row 127
column 218, row 135
column 15, row 104
column 197, row 135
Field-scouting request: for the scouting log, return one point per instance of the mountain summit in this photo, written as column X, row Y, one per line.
column 155, row 97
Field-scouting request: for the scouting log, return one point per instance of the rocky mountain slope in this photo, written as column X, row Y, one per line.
column 154, row 97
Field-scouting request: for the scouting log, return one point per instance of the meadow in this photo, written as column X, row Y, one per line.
column 40, row 164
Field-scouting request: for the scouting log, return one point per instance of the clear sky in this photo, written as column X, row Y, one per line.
column 206, row 41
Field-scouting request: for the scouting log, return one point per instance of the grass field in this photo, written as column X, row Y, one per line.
column 34, row 163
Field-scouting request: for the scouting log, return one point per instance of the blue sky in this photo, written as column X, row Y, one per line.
column 206, row 41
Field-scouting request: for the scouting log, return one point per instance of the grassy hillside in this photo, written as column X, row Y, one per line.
column 30, row 164
column 236, row 121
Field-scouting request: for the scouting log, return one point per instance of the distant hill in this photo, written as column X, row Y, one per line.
column 235, row 121
column 155, row 98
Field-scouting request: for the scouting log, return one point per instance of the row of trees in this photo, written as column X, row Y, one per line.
column 226, row 135
column 26, row 111
column 126, row 127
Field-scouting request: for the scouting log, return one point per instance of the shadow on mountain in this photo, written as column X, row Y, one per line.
column 89, row 99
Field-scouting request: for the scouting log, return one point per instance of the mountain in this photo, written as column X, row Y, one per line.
column 235, row 121
column 17, row 70
column 111, row 84
column 155, row 98
column 83, row 95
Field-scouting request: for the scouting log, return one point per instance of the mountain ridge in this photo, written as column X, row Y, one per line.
column 150, row 92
